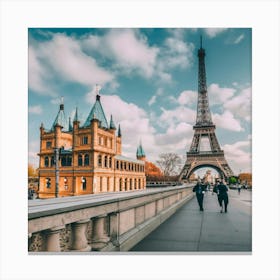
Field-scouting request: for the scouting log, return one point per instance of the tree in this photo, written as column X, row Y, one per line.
column 32, row 172
column 168, row 163
column 232, row 180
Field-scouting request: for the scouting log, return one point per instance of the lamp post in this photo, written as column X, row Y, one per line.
column 56, row 153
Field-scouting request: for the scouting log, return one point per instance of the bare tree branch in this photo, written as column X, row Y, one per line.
column 168, row 163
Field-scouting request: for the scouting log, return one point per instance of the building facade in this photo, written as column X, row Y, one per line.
column 87, row 159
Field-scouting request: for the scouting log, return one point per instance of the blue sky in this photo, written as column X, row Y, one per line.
column 149, row 84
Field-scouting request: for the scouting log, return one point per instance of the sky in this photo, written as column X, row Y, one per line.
column 149, row 80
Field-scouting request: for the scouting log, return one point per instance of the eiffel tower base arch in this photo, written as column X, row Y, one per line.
column 195, row 161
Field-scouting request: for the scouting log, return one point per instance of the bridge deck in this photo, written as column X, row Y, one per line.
column 190, row 230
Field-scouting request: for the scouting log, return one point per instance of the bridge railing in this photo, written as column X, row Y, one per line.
column 162, row 183
column 103, row 222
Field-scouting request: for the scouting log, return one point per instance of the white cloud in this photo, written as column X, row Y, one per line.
column 33, row 150
column 219, row 95
column 37, row 109
column 179, row 114
column 133, row 51
column 227, row 121
column 213, row 32
column 238, row 156
column 175, row 135
column 152, row 100
column 176, row 53
column 37, row 73
column 128, row 48
column 239, row 39
column 187, row 97
column 240, row 105
column 63, row 57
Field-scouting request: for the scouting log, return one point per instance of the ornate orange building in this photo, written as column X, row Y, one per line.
column 87, row 159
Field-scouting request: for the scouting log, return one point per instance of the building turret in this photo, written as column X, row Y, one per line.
column 70, row 127
column 140, row 154
column 112, row 125
column 119, row 131
column 76, row 124
column 60, row 119
column 119, row 141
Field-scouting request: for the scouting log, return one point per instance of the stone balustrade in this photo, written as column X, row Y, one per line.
column 103, row 222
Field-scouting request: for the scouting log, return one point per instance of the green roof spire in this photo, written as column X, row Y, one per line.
column 119, row 131
column 97, row 112
column 112, row 125
column 140, row 151
column 60, row 117
column 76, row 115
column 70, row 127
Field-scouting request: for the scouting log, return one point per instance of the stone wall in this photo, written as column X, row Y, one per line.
column 105, row 222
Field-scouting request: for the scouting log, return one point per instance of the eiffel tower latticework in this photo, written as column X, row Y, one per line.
column 204, row 129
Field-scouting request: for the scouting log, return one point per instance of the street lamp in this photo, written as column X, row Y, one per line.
column 56, row 154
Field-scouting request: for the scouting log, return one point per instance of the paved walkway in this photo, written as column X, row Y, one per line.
column 190, row 230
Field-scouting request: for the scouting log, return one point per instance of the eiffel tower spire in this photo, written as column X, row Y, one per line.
column 203, row 116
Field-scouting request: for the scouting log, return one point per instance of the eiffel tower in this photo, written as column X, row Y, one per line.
column 204, row 133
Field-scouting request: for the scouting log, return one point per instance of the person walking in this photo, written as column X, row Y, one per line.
column 221, row 190
column 239, row 188
column 199, row 190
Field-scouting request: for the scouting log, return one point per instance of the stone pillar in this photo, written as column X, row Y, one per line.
column 100, row 236
column 29, row 240
column 52, row 239
column 80, row 242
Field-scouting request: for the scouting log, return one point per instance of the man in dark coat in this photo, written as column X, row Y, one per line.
column 221, row 190
column 199, row 190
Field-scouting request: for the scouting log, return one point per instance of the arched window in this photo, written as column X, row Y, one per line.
column 121, row 166
column 52, row 161
column 117, row 164
column 99, row 160
column 110, row 162
column 86, row 159
column 130, row 187
column 80, row 160
column 120, row 184
column 125, row 184
column 105, row 161
column 46, row 161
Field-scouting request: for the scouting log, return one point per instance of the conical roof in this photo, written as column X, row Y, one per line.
column 60, row 118
column 97, row 113
column 119, row 131
column 112, row 124
column 76, row 115
column 70, row 127
column 140, row 151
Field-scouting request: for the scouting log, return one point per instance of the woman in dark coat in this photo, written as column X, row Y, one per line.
column 221, row 190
